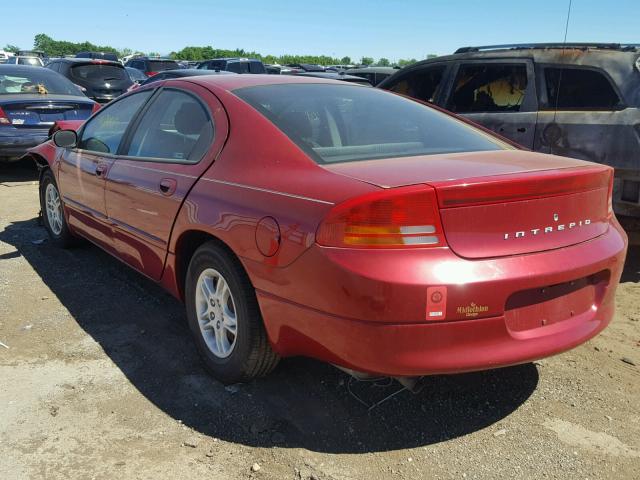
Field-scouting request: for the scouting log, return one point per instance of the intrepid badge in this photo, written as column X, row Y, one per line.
column 548, row 229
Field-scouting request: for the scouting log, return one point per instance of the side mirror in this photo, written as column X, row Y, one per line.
column 65, row 138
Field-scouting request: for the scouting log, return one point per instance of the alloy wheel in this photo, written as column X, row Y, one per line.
column 216, row 312
column 54, row 209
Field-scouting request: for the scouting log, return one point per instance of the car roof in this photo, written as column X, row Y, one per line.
column 542, row 53
column 391, row 70
column 17, row 69
column 332, row 75
column 88, row 61
column 195, row 72
column 234, row 82
column 232, row 59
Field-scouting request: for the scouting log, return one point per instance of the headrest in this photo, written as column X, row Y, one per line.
column 190, row 119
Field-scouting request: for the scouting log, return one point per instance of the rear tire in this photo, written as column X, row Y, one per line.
column 53, row 212
column 224, row 317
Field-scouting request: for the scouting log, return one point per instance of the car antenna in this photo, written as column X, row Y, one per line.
column 557, row 100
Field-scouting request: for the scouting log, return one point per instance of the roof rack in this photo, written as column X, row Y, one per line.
column 524, row 46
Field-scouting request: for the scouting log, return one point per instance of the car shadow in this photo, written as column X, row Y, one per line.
column 631, row 272
column 20, row 171
column 302, row 404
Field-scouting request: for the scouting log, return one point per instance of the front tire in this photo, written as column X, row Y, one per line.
column 53, row 212
column 224, row 317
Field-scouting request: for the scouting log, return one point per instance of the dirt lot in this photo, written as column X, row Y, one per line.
column 100, row 380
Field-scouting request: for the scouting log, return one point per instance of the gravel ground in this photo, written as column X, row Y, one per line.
column 100, row 380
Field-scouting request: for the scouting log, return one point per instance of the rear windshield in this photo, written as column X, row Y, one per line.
column 39, row 81
column 29, row 61
column 161, row 65
column 99, row 73
column 345, row 123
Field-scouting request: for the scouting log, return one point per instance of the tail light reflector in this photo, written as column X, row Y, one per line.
column 150, row 74
column 95, row 108
column 4, row 120
column 404, row 217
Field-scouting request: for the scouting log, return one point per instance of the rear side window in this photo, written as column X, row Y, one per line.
column 161, row 65
column 104, row 131
column 98, row 73
column 489, row 88
column 422, row 84
column 176, row 127
column 343, row 123
column 579, row 89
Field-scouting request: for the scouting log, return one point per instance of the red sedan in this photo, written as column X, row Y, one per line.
column 301, row 216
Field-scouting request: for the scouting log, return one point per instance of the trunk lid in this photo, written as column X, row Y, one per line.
column 43, row 112
column 495, row 204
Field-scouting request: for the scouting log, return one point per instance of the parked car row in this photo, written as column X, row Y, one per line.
column 583, row 105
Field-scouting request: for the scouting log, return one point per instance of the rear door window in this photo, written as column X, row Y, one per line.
column 161, row 65
column 491, row 87
column 105, row 130
column 216, row 65
column 238, row 67
column 579, row 89
column 421, row 84
column 176, row 127
column 98, row 72
column 256, row 67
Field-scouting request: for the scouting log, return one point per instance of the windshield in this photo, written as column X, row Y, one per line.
column 95, row 72
column 340, row 123
column 38, row 80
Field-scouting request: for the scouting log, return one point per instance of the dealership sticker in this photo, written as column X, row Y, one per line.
column 472, row 310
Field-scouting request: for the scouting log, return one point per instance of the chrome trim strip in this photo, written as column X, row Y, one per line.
column 84, row 208
column 132, row 165
column 266, row 190
column 133, row 230
column 114, row 222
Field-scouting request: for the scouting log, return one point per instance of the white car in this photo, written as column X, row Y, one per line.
column 33, row 61
column 4, row 56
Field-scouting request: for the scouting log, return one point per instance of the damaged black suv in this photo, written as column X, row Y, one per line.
column 577, row 100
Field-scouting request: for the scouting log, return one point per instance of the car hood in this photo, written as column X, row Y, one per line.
column 396, row 172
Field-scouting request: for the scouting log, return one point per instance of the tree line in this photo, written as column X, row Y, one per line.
column 60, row 48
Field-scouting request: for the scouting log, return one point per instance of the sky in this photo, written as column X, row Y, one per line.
column 376, row 28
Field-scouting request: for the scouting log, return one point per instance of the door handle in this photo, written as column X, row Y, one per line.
column 101, row 169
column 522, row 130
column 168, row 186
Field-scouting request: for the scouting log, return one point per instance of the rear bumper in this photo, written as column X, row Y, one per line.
column 14, row 143
column 345, row 313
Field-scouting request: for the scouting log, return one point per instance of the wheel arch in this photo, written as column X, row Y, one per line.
column 186, row 245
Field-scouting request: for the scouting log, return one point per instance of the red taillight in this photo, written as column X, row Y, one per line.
column 4, row 120
column 404, row 217
column 150, row 74
column 96, row 107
